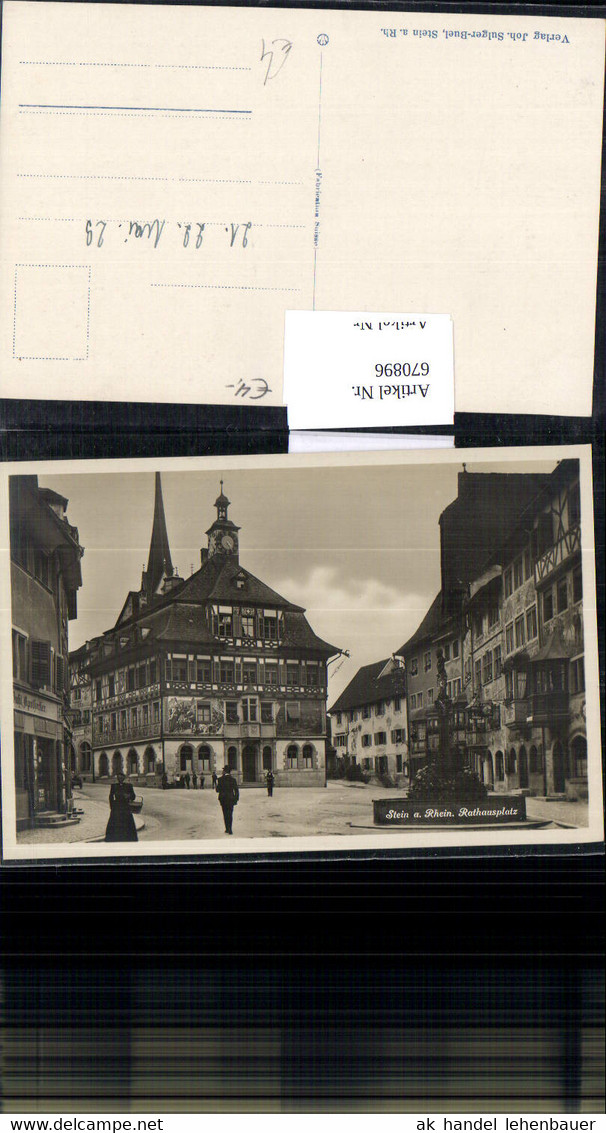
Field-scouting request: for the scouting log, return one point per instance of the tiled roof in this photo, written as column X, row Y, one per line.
column 216, row 580
column 367, row 687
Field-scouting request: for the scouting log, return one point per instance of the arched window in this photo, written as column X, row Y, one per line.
column 204, row 755
column 499, row 766
column 511, row 762
column 150, row 760
column 117, row 762
column 185, row 757
column 308, row 755
column 267, row 758
column 578, row 751
column 103, row 765
column 133, row 762
column 232, row 758
column 292, row 755
column 85, row 755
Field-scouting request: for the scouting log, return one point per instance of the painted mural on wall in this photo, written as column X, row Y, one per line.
column 186, row 715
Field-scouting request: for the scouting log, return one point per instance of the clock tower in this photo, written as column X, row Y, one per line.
column 223, row 534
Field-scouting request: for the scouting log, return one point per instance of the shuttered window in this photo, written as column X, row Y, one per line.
column 40, row 653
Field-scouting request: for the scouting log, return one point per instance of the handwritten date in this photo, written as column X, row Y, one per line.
column 191, row 234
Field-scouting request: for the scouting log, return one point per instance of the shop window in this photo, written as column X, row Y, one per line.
column 185, row 757
column 308, row 756
column 292, row 756
column 150, row 760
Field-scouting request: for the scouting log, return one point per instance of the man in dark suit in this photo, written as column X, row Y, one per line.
column 227, row 790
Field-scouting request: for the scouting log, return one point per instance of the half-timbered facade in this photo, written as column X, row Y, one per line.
column 210, row 670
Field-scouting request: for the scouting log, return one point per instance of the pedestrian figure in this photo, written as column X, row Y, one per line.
column 227, row 790
column 214, row 779
column 201, row 782
column 187, row 779
column 194, row 780
column 270, row 780
column 164, row 781
column 121, row 826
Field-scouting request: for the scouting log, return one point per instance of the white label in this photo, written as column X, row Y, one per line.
column 351, row 369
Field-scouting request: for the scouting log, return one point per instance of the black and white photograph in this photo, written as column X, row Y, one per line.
column 263, row 654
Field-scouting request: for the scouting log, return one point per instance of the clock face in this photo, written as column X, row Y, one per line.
column 228, row 542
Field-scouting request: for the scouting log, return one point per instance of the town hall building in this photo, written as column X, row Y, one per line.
column 214, row 669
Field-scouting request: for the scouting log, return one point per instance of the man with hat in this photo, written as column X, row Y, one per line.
column 227, row 790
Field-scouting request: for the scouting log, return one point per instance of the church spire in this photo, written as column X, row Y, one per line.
column 159, row 563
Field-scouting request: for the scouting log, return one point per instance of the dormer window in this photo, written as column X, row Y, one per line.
column 240, row 581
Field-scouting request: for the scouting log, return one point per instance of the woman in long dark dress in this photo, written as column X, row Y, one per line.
column 121, row 826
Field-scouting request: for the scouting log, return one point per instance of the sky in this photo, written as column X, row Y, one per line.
column 357, row 546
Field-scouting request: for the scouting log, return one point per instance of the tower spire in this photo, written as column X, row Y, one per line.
column 159, row 563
